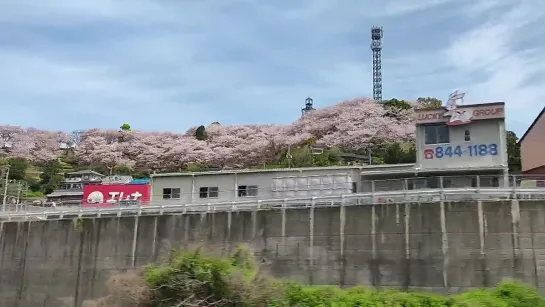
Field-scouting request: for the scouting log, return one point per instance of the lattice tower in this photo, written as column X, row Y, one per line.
column 376, row 47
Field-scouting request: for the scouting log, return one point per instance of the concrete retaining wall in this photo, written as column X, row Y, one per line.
column 439, row 247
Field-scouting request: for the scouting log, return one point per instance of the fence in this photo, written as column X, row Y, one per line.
column 390, row 197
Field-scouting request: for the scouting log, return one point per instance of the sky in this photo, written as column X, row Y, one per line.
column 167, row 65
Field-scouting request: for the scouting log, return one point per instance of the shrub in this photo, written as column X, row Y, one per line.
column 195, row 278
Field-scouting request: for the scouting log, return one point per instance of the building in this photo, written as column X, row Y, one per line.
column 71, row 190
column 463, row 140
column 457, row 146
column 532, row 147
column 117, row 179
column 251, row 184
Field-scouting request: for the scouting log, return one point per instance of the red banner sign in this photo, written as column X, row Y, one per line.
column 115, row 195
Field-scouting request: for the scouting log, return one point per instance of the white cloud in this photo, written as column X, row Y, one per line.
column 170, row 64
column 503, row 69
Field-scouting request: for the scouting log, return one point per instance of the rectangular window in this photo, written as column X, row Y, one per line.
column 436, row 134
column 208, row 192
column 490, row 182
column 467, row 136
column 433, row 183
column 247, row 190
column 171, row 193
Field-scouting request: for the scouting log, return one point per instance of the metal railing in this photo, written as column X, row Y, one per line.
column 389, row 197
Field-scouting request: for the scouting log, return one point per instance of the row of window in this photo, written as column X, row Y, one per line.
column 434, row 183
column 212, row 192
column 252, row 190
column 440, row 134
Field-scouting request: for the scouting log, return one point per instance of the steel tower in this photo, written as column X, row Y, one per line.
column 376, row 47
column 308, row 106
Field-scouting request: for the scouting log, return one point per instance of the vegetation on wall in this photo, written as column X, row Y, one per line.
column 513, row 152
column 196, row 278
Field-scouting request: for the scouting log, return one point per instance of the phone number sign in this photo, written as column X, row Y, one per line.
column 480, row 150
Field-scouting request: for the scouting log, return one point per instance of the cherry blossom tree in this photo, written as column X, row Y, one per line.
column 350, row 125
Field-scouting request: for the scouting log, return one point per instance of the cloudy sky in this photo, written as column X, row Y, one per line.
column 172, row 64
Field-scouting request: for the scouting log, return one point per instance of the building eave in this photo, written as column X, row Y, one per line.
column 299, row 169
column 532, row 125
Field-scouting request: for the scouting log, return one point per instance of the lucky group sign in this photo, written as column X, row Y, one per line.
column 115, row 195
column 476, row 113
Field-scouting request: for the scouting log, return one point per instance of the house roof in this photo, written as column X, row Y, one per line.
column 532, row 125
column 298, row 169
column 84, row 172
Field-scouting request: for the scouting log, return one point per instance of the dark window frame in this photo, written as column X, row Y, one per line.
column 436, row 134
column 172, row 193
column 467, row 135
column 208, row 192
column 248, row 191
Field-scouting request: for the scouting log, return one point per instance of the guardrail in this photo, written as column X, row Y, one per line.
column 391, row 197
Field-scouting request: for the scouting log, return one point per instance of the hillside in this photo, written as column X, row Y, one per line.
column 354, row 126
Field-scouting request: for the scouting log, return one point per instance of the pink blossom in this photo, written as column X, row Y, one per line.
column 351, row 125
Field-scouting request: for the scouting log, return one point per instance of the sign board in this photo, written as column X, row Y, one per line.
column 116, row 195
column 469, row 113
column 454, row 115
column 459, row 151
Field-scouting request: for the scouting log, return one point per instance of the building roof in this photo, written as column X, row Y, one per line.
column 140, row 181
column 461, row 106
column 298, row 169
column 116, row 179
column 85, row 172
column 532, row 125
column 434, row 170
column 59, row 193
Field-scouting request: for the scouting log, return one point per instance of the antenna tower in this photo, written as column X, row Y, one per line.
column 376, row 47
column 308, row 106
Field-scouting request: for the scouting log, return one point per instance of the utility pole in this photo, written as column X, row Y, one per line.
column 6, row 183
column 21, row 187
column 289, row 156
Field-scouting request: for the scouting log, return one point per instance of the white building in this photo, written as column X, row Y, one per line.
column 231, row 185
column 457, row 146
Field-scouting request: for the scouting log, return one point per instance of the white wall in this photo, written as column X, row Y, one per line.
column 482, row 132
column 228, row 184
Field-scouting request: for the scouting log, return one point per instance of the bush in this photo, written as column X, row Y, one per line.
column 195, row 278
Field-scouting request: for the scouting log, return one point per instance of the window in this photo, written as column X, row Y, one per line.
column 433, row 183
column 354, row 187
column 171, row 193
column 208, row 192
column 493, row 182
column 247, row 190
column 467, row 136
column 436, row 134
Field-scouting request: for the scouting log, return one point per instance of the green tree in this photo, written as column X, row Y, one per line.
column 429, row 102
column 513, row 152
column 394, row 107
column 329, row 157
column 395, row 153
column 125, row 127
column 51, row 177
column 17, row 168
column 200, row 133
column 122, row 169
column 397, row 104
